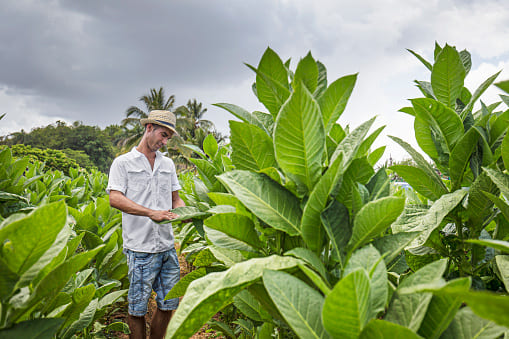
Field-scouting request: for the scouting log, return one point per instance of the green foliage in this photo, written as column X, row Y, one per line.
column 52, row 159
column 466, row 147
column 89, row 146
column 298, row 184
column 62, row 264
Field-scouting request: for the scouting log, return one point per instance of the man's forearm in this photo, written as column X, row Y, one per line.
column 176, row 200
column 121, row 202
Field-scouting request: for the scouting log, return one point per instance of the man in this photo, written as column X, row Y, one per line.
column 143, row 184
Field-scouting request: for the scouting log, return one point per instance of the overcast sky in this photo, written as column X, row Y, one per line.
column 91, row 60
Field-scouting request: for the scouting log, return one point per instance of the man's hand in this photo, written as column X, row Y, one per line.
column 162, row 215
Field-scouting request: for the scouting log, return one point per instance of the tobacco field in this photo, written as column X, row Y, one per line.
column 296, row 231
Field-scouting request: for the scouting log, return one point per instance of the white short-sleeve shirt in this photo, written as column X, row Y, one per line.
column 132, row 175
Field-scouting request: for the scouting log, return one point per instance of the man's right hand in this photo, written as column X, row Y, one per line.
column 162, row 215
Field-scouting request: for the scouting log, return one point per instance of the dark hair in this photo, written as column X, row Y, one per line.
column 155, row 126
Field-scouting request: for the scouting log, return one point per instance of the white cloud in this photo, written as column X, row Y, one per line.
column 479, row 74
column 21, row 114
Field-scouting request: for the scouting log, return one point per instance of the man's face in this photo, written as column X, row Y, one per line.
column 158, row 136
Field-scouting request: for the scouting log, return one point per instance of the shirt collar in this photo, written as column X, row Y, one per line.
column 157, row 161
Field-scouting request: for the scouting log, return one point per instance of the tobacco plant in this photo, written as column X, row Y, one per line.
column 62, row 267
column 464, row 182
column 296, row 229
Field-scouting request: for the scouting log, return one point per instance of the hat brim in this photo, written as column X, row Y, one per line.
column 163, row 123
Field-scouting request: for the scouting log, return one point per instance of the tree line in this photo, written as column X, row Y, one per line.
column 93, row 147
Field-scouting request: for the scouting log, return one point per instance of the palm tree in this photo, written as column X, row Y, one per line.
column 192, row 127
column 155, row 100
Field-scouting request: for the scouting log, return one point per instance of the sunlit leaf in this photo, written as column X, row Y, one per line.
column 299, row 138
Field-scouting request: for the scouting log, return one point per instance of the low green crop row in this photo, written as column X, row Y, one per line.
column 60, row 252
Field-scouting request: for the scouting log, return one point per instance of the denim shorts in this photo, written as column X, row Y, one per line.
column 151, row 271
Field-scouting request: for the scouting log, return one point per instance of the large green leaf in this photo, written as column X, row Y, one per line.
column 485, row 304
column 386, row 330
column 299, row 304
column 442, row 119
column 346, row 309
column 430, row 220
column 84, row 320
column 228, row 257
column 479, row 207
column 223, row 240
column 81, row 297
column 374, row 218
column 505, row 150
column 334, row 100
column 477, row 94
column 379, row 185
column 390, row 246
column 322, row 80
column 252, row 148
column 466, row 60
column 336, row 221
column 210, row 146
column 368, row 142
column 8, row 280
column 266, row 199
column 299, row 138
column 319, row 282
column 500, row 203
column 420, row 181
column 369, row 259
column 502, row 262
column 36, row 328
column 307, row 73
column 229, row 199
column 460, row 157
column 310, row 258
column 409, row 310
column 350, row 144
column 55, row 280
column 29, row 238
column 503, row 85
column 376, row 155
column 502, row 246
column 447, row 76
column 243, row 115
column 311, row 227
column 248, row 305
column 423, row 137
column 423, row 164
column 54, row 256
column 421, row 59
column 441, row 310
column 271, row 82
column 466, row 325
column 500, row 179
column 206, row 296
column 237, row 226
column 359, row 171
column 207, row 173
column 425, row 88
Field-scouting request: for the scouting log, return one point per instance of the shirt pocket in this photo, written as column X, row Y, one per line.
column 165, row 181
column 137, row 181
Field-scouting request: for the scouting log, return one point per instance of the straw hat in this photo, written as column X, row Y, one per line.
column 161, row 118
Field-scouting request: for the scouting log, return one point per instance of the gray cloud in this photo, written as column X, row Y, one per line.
column 90, row 60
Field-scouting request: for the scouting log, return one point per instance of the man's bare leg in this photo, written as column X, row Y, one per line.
column 137, row 327
column 159, row 324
